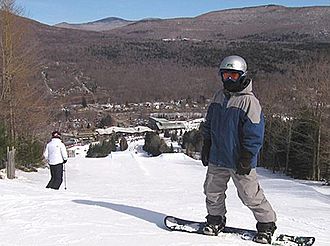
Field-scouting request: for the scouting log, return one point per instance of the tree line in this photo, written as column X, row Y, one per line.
column 297, row 121
column 135, row 70
column 26, row 109
column 104, row 147
column 296, row 105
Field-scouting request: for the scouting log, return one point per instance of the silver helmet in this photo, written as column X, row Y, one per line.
column 233, row 71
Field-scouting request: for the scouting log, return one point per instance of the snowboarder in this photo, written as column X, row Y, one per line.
column 56, row 155
column 233, row 135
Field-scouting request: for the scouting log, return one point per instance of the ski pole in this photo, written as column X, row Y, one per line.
column 64, row 176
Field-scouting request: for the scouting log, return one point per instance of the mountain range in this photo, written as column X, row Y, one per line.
column 157, row 59
column 105, row 24
column 266, row 20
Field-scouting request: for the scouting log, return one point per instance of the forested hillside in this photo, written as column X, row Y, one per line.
column 287, row 51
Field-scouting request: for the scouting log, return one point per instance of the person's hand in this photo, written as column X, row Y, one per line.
column 244, row 163
column 244, row 167
column 206, row 152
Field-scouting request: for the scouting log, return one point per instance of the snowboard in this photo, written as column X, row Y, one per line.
column 177, row 224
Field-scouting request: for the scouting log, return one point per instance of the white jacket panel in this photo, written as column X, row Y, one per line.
column 55, row 152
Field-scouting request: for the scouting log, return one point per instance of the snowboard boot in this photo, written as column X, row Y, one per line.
column 265, row 232
column 214, row 225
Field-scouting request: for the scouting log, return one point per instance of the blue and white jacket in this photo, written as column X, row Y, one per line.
column 235, row 125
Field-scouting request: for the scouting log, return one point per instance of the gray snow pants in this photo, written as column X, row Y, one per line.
column 248, row 189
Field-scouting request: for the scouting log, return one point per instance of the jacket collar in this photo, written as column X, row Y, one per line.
column 247, row 90
column 56, row 139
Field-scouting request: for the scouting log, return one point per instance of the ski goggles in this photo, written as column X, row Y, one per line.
column 230, row 75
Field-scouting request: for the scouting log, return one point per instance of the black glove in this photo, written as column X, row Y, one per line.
column 206, row 151
column 64, row 161
column 244, row 163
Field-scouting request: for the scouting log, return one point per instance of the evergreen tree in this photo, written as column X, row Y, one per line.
column 106, row 121
column 123, row 144
column 163, row 148
column 29, row 153
column 154, row 145
column 302, row 147
column 102, row 149
column 84, row 102
column 66, row 113
column 171, row 148
column 192, row 141
column 174, row 136
column 112, row 142
column 274, row 154
column 167, row 133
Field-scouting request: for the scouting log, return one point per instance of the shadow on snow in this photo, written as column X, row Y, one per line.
column 141, row 213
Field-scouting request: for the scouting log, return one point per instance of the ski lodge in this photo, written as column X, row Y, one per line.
column 161, row 124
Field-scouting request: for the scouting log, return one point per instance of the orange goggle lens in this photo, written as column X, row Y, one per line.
column 230, row 75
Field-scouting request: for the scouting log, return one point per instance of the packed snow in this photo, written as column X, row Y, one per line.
column 123, row 198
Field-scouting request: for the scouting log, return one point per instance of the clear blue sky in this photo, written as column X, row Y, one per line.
column 79, row 11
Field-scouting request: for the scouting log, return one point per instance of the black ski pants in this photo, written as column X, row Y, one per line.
column 56, row 172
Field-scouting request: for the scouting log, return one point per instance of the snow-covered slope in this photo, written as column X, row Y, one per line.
column 123, row 198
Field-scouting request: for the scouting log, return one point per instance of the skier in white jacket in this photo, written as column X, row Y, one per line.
column 56, row 155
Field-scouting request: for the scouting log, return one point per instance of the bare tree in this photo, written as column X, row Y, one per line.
column 7, row 54
column 21, row 101
column 20, row 97
column 296, row 105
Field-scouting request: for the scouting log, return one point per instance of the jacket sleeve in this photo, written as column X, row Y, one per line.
column 64, row 152
column 206, row 128
column 253, row 131
column 46, row 153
